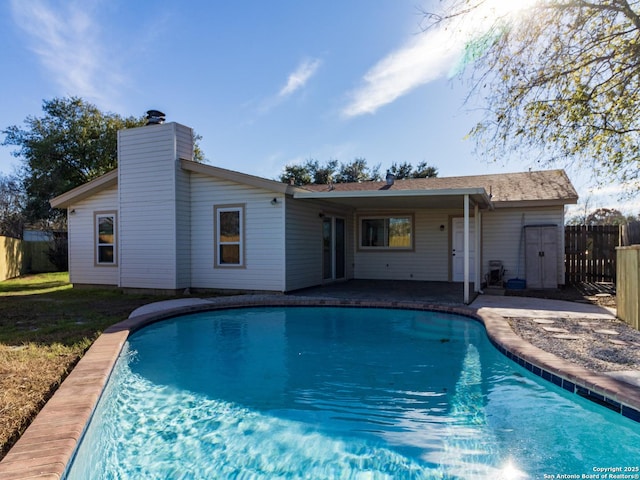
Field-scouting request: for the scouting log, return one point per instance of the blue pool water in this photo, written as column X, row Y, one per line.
column 338, row 393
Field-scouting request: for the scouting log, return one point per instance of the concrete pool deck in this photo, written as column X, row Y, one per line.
column 47, row 446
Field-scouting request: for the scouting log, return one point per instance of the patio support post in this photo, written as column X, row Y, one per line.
column 477, row 260
column 466, row 248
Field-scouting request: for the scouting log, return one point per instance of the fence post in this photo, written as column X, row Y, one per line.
column 628, row 285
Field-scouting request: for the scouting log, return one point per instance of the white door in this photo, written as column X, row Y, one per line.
column 458, row 249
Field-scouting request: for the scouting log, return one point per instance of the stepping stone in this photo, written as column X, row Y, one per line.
column 543, row 321
column 617, row 342
column 555, row 329
column 588, row 324
column 607, row 332
column 565, row 336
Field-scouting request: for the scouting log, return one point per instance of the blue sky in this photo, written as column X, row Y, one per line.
column 265, row 83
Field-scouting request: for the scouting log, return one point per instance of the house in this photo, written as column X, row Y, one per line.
column 163, row 222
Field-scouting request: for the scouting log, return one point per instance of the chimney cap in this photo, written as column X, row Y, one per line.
column 155, row 117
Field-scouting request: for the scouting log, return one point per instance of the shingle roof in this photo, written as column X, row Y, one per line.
column 546, row 185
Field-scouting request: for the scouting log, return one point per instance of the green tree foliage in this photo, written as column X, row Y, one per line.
column 71, row 144
column 402, row 170
column 357, row 171
column 312, row 171
column 561, row 82
column 297, row 174
column 323, row 174
column 406, row 170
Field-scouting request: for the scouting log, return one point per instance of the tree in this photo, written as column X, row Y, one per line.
column 323, row 174
column 406, row 170
column 11, row 206
column 561, row 81
column 297, row 174
column 71, row 144
column 311, row 171
column 605, row 216
column 357, row 171
column 401, row 171
column 602, row 216
column 424, row 171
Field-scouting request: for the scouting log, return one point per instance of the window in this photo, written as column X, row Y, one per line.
column 229, row 236
column 386, row 232
column 105, row 238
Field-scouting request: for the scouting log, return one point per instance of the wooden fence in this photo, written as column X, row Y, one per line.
column 18, row 257
column 628, row 285
column 11, row 257
column 590, row 253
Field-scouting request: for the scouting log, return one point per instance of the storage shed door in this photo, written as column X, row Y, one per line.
column 541, row 256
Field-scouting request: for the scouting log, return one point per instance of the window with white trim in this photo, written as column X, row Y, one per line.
column 386, row 232
column 229, row 236
column 105, row 238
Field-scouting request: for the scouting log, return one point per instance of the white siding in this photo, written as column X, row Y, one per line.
column 431, row 260
column 263, row 236
column 428, row 262
column 82, row 264
column 303, row 245
column 183, row 230
column 149, row 206
column 502, row 237
column 304, row 242
column 184, row 150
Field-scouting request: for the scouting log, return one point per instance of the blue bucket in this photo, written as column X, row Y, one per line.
column 516, row 284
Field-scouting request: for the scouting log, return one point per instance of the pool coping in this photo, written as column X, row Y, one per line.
column 48, row 445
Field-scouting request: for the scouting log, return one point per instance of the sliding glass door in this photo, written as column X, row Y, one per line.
column 333, row 248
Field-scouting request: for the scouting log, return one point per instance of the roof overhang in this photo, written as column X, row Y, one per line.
column 85, row 190
column 236, row 177
column 537, row 203
column 385, row 199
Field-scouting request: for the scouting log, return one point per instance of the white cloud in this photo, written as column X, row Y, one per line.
column 67, row 41
column 299, row 78
column 295, row 81
column 421, row 60
column 428, row 56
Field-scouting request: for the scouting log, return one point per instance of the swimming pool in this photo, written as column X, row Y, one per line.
column 338, row 392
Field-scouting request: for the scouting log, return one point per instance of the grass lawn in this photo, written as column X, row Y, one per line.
column 45, row 328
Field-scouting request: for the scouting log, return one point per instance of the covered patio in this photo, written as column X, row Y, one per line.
column 428, row 293
column 380, row 196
